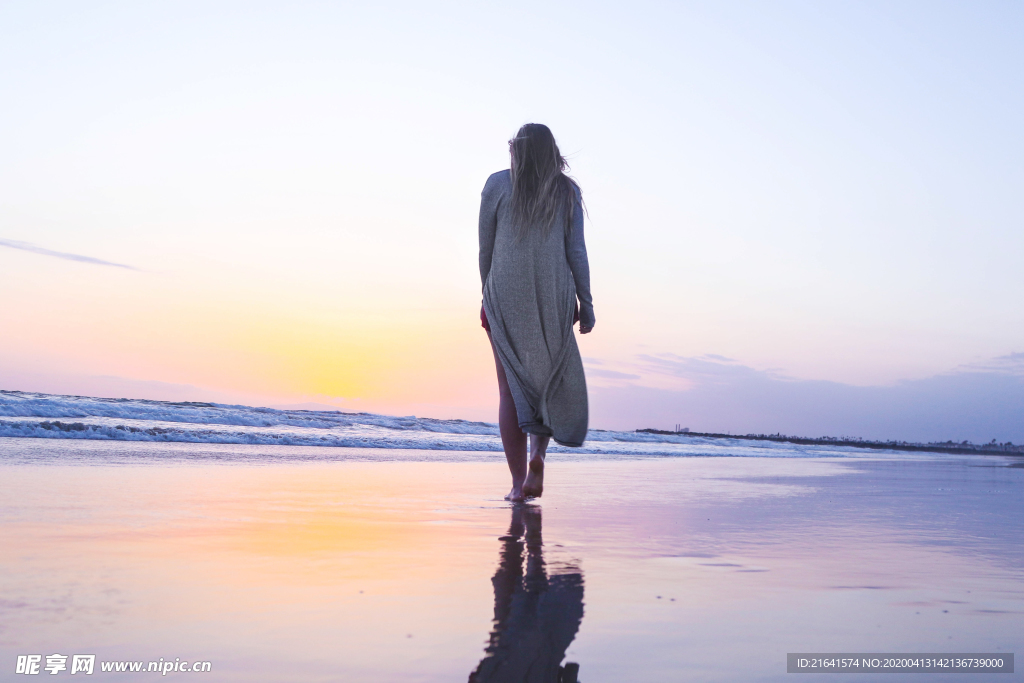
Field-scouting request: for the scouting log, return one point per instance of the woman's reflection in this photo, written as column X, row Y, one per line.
column 536, row 615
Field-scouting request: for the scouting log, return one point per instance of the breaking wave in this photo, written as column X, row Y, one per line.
column 24, row 414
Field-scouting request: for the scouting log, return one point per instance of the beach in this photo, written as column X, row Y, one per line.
column 377, row 564
column 304, row 304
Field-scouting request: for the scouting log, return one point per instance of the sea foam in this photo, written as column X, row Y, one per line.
column 24, row 414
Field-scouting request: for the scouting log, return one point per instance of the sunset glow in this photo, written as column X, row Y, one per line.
column 297, row 223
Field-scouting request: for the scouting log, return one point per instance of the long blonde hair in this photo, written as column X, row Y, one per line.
column 541, row 191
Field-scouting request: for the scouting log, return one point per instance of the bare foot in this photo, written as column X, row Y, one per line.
column 534, row 484
column 515, row 495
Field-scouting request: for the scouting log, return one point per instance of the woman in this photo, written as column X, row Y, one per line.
column 533, row 266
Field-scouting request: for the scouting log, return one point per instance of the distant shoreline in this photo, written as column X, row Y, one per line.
column 946, row 447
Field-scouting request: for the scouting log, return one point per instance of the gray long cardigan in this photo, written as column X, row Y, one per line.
column 530, row 289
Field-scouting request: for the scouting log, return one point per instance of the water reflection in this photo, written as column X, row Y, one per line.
column 536, row 613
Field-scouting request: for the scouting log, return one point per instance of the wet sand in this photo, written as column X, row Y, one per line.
column 703, row 569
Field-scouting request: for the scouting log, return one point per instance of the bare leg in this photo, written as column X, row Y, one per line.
column 534, row 484
column 513, row 440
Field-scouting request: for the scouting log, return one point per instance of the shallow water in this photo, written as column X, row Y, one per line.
column 413, row 569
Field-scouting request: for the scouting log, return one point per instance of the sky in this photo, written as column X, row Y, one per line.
column 804, row 217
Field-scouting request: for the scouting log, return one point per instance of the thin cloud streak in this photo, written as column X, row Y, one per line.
column 1010, row 364
column 26, row 246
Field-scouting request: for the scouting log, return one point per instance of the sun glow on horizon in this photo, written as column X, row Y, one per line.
column 297, row 193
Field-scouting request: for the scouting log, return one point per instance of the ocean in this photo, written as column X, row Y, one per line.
column 84, row 418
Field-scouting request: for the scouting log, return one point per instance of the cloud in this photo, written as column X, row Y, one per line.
column 610, row 374
column 707, row 368
column 1010, row 364
column 977, row 403
column 26, row 246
